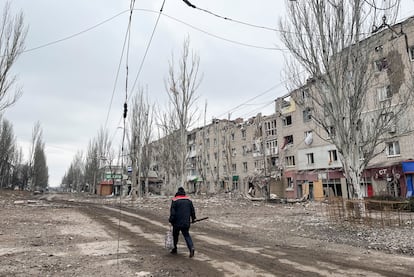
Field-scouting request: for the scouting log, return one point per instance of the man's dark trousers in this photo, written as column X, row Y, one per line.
column 186, row 234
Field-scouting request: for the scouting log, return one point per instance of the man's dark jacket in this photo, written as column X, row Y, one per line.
column 181, row 211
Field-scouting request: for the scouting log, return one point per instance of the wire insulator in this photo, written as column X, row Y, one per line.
column 189, row 4
column 125, row 109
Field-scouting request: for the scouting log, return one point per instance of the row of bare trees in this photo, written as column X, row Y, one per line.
column 14, row 171
column 85, row 171
column 144, row 125
column 329, row 43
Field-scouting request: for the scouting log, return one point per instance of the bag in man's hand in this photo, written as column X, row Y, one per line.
column 169, row 241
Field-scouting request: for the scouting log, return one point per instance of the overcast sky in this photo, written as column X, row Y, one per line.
column 69, row 82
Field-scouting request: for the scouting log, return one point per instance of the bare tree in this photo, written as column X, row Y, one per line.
column 92, row 165
column 140, row 134
column 7, row 152
column 331, row 46
column 181, row 86
column 17, row 169
column 12, row 37
column 165, row 149
column 36, row 140
column 75, row 175
column 104, row 146
column 39, row 169
column 85, row 172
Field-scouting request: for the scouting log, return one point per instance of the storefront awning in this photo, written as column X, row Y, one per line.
column 408, row 166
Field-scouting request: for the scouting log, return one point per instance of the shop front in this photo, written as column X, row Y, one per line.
column 408, row 170
column 385, row 180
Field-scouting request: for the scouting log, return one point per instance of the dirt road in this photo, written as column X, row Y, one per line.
column 69, row 238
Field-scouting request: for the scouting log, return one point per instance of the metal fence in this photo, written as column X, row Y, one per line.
column 378, row 213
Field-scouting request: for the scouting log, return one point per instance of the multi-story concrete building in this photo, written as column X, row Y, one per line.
column 231, row 155
column 310, row 162
column 289, row 155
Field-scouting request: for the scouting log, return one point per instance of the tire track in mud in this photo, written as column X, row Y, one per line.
column 219, row 253
column 234, row 257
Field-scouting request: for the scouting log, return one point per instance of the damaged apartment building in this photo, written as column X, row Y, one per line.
column 289, row 155
column 310, row 161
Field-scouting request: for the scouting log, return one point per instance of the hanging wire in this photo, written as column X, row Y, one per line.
column 229, row 19
column 125, row 111
column 148, row 46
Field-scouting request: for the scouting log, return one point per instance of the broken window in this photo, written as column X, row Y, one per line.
column 289, row 182
column 287, row 120
column 381, row 64
column 331, row 131
column 243, row 133
column 288, row 140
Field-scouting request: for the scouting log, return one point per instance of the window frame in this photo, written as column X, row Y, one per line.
column 396, row 149
column 290, row 161
column 384, row 93
column 245, row 168
column 287, row 120
column 311, row 158
column 307, row 114
column 289, row 182
column 333, row 156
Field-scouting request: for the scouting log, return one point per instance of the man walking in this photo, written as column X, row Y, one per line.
column 181, row 211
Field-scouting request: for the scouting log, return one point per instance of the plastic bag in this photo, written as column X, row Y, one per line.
column 169, row 241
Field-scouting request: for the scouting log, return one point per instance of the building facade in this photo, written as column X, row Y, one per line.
column 289, row 155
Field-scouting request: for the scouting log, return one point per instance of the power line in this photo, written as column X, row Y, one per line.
column 75, row 34
column 140, row 69
column 116, row 78
column 229, row 19
column 149, row 11
column 225, row 39
column 253, row 98
column 128, row 35
column 148, row 46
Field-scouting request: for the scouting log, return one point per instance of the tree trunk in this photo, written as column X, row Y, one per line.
column 134, row 181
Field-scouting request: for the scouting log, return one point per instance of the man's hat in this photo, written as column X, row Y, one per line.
column 181, row 190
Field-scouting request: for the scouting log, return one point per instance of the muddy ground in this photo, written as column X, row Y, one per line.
column 81, row 235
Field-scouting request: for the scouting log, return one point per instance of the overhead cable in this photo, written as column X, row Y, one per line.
column 148, row 46
column 149, row 11
column 251, row 99
column 75, row 34
column 229, row 19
